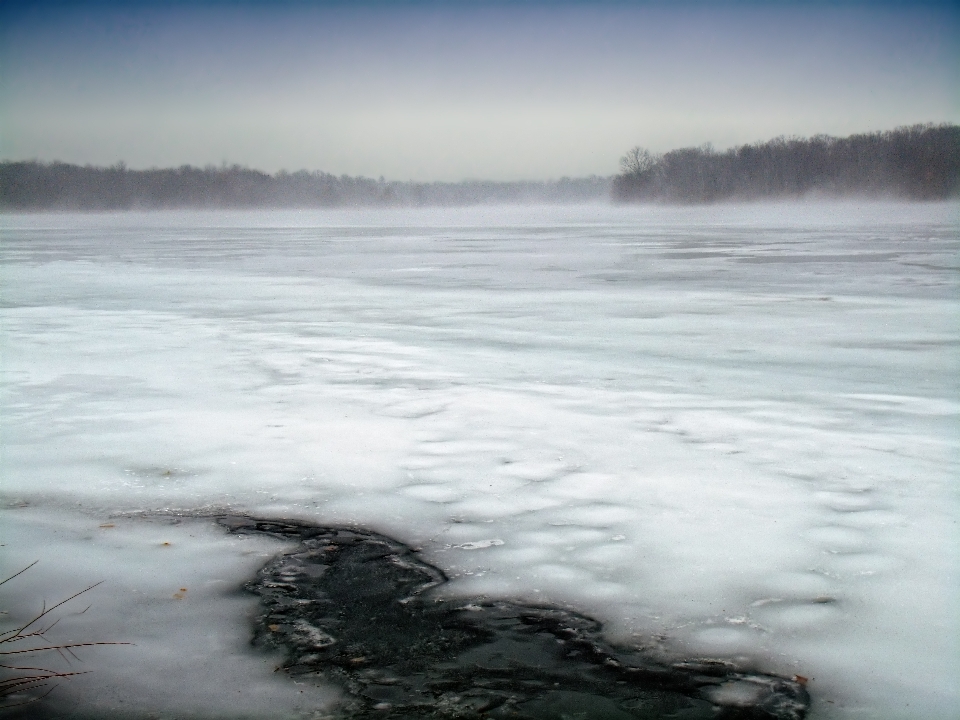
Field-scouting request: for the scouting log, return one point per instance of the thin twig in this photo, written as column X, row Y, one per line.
column 59, row 647
column 34, row 678
column 46, row 611
column 19, row 573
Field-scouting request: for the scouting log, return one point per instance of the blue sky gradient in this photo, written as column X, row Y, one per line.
column 447, row 91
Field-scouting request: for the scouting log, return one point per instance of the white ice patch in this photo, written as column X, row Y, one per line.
column 478, row 544
column 738, row 693
column 733, row 428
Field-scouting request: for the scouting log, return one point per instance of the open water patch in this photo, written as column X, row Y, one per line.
column 361, row 610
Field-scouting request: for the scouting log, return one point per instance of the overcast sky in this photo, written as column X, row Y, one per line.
column 455, row 90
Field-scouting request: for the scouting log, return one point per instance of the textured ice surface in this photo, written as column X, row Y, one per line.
column 734, row 429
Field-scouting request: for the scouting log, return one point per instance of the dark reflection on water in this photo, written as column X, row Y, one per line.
column 356, row 608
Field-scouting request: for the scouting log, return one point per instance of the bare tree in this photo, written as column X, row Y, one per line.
column 638, row 161
column 920, row 162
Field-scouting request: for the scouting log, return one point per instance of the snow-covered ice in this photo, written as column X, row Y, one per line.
column 732, row 430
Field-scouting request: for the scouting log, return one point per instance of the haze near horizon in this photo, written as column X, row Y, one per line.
column 424, row 91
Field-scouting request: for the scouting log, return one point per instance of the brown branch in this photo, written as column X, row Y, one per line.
column 59, row 647
column 18, row 633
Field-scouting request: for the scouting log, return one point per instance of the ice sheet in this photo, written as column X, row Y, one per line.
column 733, row 429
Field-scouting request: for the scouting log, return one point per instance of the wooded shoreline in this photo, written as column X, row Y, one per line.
column 921, row 162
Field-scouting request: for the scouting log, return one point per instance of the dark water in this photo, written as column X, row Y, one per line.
column 359, row 609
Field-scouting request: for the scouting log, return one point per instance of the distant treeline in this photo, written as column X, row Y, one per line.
column 60, row 186
column 918, row 163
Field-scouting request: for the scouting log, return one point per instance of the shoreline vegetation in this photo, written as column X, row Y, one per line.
column 921, row 162
column 35, row 186
column 24, row 642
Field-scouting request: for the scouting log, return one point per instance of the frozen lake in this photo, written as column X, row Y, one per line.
column 731, row 431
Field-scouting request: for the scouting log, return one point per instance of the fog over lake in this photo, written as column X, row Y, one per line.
column 729, row 431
